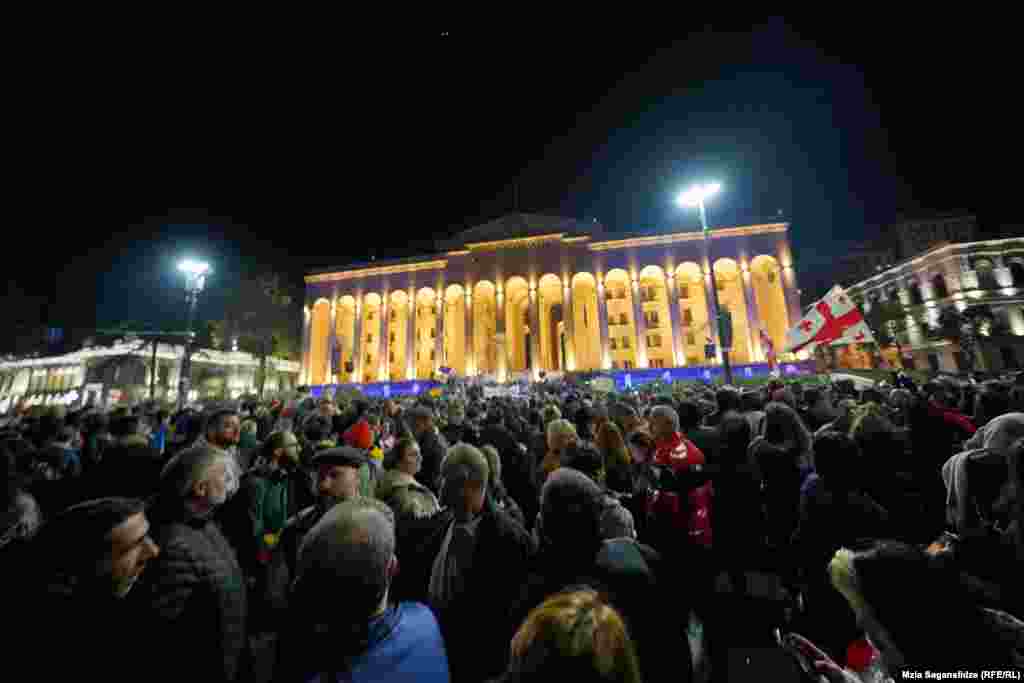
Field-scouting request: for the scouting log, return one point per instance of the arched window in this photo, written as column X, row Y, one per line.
column 1017, row 272
column 915, row 294
column 986, row 276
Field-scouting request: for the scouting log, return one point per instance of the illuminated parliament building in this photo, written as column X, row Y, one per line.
column 526, row 294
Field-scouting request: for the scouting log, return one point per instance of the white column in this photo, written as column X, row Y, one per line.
column 385, row 339
column 534, row 304
column 570, row 327
column 469, row 347
column 602, row 312
column 410, row 336
column 439, row 339
column 332, row 339
column 675, row 321
column 304, row 377
column 357, row 342
column 501, row 355
column 753, row 316
column 640, row 325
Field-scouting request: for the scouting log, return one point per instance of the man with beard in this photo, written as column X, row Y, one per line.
column 269, row 496
column 78, row 571
column 337, row 481
column 223, row 431
column 196, row 591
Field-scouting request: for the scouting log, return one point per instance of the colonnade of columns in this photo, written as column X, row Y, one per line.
column 647, row 318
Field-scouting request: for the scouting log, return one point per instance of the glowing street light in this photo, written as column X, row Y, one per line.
column 195, row 280
column 695, row 197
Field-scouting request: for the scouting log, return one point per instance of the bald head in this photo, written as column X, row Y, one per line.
column 353, row 544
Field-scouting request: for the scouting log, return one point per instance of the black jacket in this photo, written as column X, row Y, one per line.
column 501, row 558
column 518, row 470
column 197, row 599
column 433, row 448
column 627, row 573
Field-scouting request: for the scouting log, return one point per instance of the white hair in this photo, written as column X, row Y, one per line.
column 560, row 427
column 668, row 413
column 471, row 458
column 191, row 467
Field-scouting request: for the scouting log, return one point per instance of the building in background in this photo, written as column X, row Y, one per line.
column 918, row 235
column 121, row 373
column 528, row 294
column 981, row 273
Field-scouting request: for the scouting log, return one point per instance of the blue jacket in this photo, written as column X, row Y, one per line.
column 405, row 645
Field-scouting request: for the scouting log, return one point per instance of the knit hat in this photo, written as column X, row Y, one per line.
column 359, row 435
column 569, row 505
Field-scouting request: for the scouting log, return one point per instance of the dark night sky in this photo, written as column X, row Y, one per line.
column 317, row 159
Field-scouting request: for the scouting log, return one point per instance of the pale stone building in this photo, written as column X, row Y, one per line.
column 987, row 272
column 526, row 294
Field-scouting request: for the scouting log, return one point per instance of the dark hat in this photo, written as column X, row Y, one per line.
column 421, row 412
column 342, row 455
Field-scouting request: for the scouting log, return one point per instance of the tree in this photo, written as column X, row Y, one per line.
column 888, row 321
column 262, row 315
column 965, row 327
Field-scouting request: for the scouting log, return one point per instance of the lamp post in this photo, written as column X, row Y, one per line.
column 694, row 197
column 195, row 279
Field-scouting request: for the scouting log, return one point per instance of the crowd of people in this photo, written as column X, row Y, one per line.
column 561, row 533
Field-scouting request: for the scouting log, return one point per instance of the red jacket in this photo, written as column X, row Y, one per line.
column 694, row 516
column 951, row 417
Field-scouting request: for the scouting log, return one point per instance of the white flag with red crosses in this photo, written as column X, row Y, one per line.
column 835, row 320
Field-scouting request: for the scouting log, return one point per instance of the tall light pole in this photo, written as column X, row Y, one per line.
column 694, row 197
column 195, row 279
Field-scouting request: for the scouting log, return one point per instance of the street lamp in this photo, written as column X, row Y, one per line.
column 195, row 279
column 694, row 197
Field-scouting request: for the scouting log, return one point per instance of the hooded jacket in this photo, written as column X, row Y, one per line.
column 406, row 496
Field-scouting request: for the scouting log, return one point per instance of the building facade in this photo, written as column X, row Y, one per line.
column 110, row 374
column 989, row 272
column 527, row 294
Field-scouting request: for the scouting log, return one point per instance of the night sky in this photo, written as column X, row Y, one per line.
column 333, row 154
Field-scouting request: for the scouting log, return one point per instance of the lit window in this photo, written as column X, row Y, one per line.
column 687, row 316
column 625, row 342
column 391, row 357
column 432, row 354
column 612, row 344
column 684, row 291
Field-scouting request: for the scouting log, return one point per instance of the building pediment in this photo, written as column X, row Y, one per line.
column 517, row 229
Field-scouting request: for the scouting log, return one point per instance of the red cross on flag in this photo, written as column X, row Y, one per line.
column 835, row 320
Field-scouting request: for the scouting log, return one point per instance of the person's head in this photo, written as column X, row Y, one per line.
column 281, row 451
column 351, row 549
column 464, row 479
column 912, row 609
column 560, row 434
column 837, row 460
column 689, row 415
column 198, row 477
column 573, row 636
column 584, row 457
column 421, row 420
column 405, row 456
column 549, row 414
column 991, row 401
column 727, row 398
column 338, row 473
column 664, row 422
column 641, row 446
column 735, row 431
column 456, row 413
column 99, row 545
column 783, row 427
column 570, row 511
column 624, row 415
column 317, row 429
column 326, row 408
column 223, row 429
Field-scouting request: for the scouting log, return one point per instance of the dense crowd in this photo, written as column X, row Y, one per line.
column 564, row 534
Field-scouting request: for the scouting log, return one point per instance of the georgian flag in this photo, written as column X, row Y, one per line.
column 834, row 320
